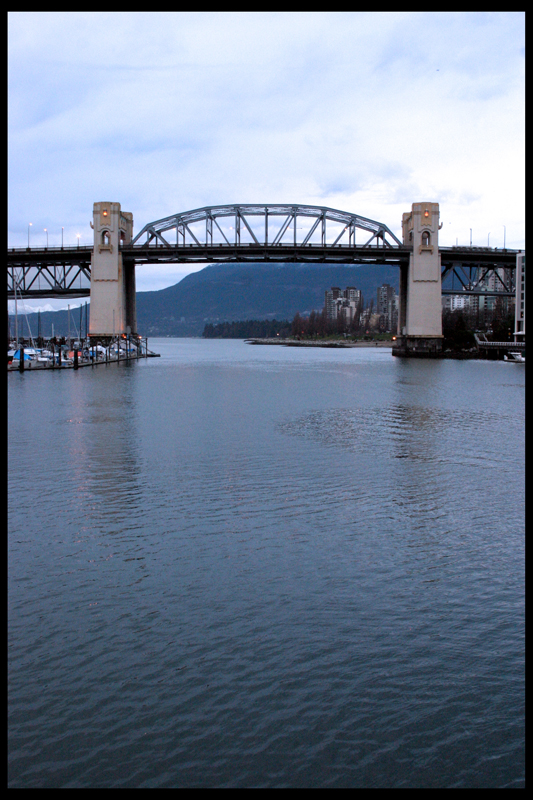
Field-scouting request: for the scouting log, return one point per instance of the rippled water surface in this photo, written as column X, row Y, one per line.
column 267, row 567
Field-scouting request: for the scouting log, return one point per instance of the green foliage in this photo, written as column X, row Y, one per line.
column 502, row 328
column 247, row 329
column 318, row 326
column 315, row 326
column 456, row 332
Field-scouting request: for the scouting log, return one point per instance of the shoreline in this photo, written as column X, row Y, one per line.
column 318, row 343
column 338, row 343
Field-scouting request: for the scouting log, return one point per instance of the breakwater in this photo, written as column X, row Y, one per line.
column 319, row 343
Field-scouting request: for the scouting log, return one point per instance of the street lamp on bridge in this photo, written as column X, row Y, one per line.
column 29, row 226
column 46, row 231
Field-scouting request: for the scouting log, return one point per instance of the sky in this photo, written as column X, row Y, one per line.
column 165, row 112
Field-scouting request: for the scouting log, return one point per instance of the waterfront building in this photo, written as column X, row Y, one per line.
column 520, row 298
column 329, row 303
column 387, row 307
column 342, row 303
column 456, row 302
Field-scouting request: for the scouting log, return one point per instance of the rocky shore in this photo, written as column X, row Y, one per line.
column 319, row 342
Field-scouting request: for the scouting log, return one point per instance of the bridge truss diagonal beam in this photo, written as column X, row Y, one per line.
column 60, row 272
column 245, row 216
column 479, row 278
column 46, row 280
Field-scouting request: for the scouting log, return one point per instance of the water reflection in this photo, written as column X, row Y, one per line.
column 393, row 432
column 101, row 447
column 100, row 474
column 247, row 576
column 426, row 461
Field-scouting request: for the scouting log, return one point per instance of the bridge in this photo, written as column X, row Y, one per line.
column 252, row 233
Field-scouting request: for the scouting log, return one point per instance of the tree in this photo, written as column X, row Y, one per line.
column 296, row 328
column 456, row 332
column 312, row 324
column 322, row 323
column 502, row 326
column 341, row 323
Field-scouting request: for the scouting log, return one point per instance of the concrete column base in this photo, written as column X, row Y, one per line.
column 418, row 346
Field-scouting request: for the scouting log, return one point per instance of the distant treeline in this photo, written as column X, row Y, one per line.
column 458, row 327
column 315, row 325
column 248, row 329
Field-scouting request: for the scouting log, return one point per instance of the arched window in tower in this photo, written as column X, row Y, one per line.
column 426, row 239
column 106, row 238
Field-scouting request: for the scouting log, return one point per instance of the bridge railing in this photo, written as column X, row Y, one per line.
column 158, row 244
column 53, row 249
column 202, row 245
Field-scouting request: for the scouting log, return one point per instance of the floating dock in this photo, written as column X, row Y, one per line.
column 75, row 358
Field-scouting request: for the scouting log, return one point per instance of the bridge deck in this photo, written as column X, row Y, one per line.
column 64, row 270
column 339, row 253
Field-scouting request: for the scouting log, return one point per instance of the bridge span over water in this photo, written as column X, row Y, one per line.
column 252, row 233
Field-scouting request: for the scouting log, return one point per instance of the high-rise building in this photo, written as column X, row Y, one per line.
column 342, row 303
column 387, row 307
column 331, row 296
column 456, row 302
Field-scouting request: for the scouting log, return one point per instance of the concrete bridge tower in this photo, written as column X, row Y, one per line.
column 420, row 305
column 113, row 309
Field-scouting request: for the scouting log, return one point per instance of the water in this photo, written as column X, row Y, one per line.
column 267, row 567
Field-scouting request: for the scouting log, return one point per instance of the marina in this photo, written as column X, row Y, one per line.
column 54, row 356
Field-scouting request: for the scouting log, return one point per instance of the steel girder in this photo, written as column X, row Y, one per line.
column 58, row 272
column 245, row 220
column 46, row 280
column 487, row 279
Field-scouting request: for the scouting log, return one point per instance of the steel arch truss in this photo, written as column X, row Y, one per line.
column 250, row 225
column 487, row 279
column 47, row 280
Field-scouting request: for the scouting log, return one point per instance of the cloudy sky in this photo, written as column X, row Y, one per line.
column 169, row 111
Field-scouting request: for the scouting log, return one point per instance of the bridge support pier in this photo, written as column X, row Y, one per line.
column 420, row 305
column 113, row 308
